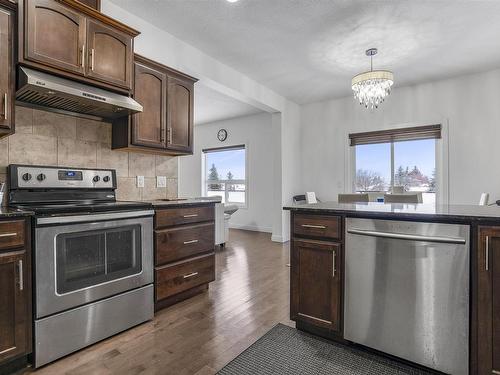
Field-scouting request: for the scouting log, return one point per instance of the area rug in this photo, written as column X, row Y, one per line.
column 286, row 350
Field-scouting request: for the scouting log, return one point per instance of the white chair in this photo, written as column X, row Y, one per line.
column 353, row 198
column 398, row 190
column 485, row 197
column 401, row 198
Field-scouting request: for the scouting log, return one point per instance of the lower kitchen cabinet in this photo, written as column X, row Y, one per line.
column 316, row 283
column 184, row 240
column 185, row 275
column 15, row 291
column 488, row 308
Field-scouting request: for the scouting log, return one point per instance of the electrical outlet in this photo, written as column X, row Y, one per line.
column 140, row 181
column 161, row 181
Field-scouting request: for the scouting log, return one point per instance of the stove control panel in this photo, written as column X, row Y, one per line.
column 55, row 177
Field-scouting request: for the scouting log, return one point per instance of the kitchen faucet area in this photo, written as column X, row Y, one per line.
column 243, row 187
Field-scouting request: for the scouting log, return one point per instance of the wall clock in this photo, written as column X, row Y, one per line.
column 222, row 135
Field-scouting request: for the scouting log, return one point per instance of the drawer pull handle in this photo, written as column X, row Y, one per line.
column 92, row 53
column 487, row 254
column 189, row 275
column 333, row 262
column 8, row 234
column 190, row 215
column 189, row 242
column 5, row 106
column 21, row 276
column 313, row 226
column 169, row 136
column 82, row 62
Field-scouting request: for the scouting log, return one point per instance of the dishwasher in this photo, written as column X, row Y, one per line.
column 407, row 291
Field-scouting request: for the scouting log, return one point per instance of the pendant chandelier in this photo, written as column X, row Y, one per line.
column 371, row 88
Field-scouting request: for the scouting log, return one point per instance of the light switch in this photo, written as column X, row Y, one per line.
column 140, row 181
column 161, row 181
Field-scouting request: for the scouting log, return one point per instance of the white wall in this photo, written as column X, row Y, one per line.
column 470, row 105
column 163, row 47
column 256, row 133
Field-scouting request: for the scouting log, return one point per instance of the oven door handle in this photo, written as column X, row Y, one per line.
column 93, row 217
column 407, row 237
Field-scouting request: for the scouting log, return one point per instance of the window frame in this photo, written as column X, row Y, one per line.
column 441, row 160
column 205, row 151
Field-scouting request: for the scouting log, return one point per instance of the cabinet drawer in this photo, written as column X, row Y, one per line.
column 11, row 234
column 181, row 276
column 179, row 243
column 184, row 215
column 317, row 226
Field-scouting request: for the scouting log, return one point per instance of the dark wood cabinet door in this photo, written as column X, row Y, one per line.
column 7, row 69
column 14, row 316
column 110, row 55
column 55, row 35
column 315, row 283
column 180, row 115
column 150, row 90
column 488, row 309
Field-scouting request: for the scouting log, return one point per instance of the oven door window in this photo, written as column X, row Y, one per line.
column 85, row 259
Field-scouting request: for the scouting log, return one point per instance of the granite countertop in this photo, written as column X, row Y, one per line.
column 184, row 202
column 400, row 210
column 13, row 212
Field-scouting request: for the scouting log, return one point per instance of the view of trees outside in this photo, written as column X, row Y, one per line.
column 414, row 164
column 226, row 175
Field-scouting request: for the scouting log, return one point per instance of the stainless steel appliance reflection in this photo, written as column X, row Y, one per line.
column 407, row 291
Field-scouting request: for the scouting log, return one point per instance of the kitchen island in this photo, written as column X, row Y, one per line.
column 418, row 282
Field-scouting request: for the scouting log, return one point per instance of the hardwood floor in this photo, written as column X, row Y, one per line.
column 200, row 335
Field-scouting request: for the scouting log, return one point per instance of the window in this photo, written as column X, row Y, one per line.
column 225, row 174
column 399, row 160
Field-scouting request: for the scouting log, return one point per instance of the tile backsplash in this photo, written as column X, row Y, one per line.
column 46, row 138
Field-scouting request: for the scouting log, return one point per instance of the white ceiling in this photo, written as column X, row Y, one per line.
column 211, row 106
column 308, row 50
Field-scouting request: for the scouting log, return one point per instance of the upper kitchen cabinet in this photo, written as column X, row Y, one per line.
column 7, row 67
column 180, row 114
column 110, row 54
column 75, row 41
column 55, row 35
column 150, row 90
column 165, row 126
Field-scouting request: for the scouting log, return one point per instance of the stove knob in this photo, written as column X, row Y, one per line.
column 96, row 178
column 106, row 178
column 26, row 177
column 41, row 177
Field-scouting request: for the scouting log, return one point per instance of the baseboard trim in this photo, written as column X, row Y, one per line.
column 253, row 228
column 275, row 238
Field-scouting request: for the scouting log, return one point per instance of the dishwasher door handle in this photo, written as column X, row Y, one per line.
column 407, row 237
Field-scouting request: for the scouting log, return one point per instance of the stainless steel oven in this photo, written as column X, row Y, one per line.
column 84, row 258
column 93, row 257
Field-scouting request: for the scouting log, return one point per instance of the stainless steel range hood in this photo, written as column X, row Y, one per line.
column 37, row 89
